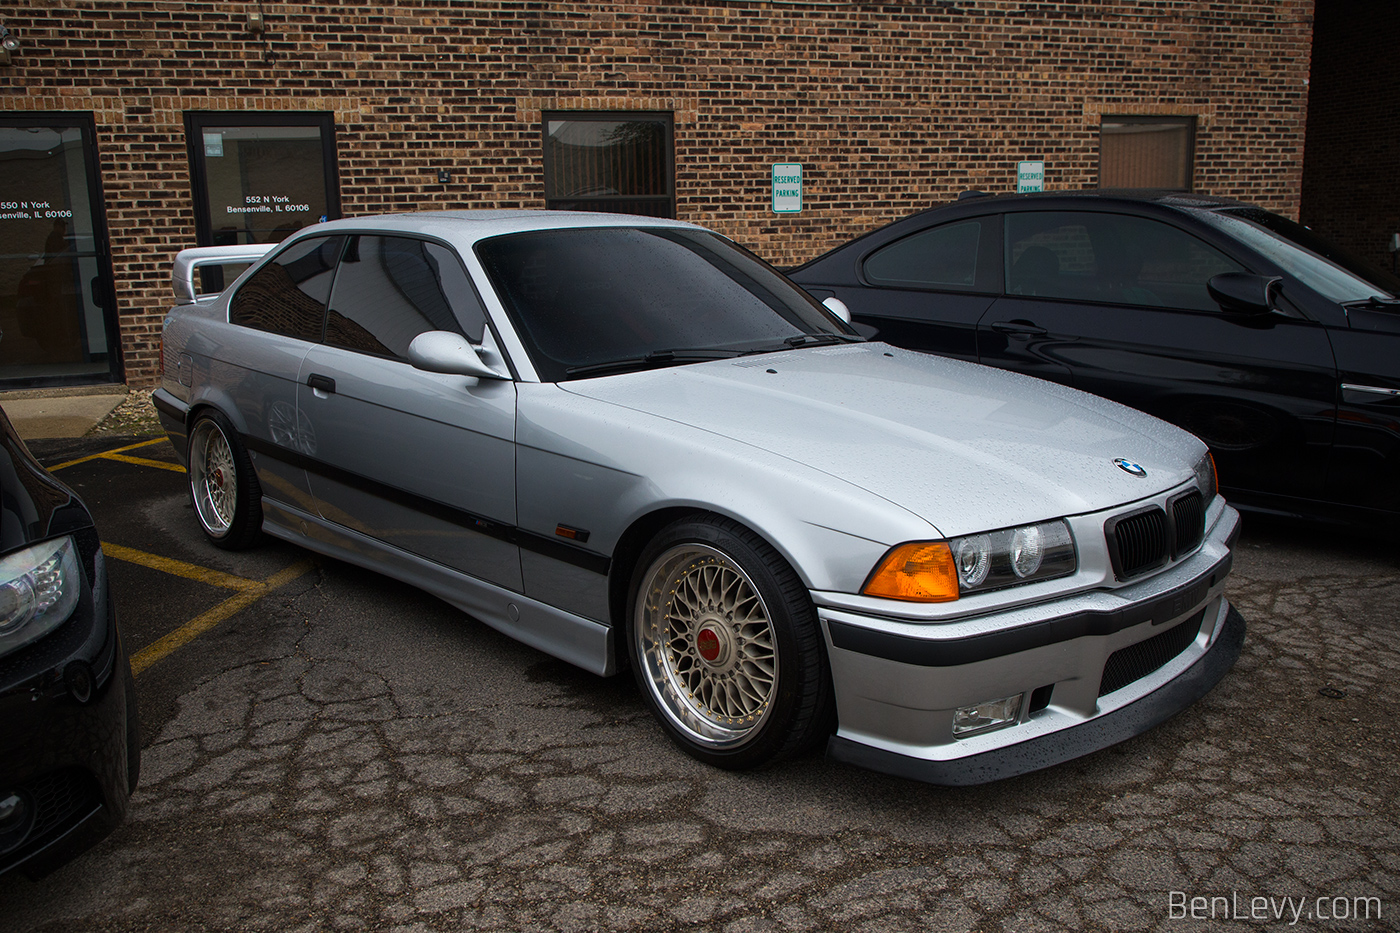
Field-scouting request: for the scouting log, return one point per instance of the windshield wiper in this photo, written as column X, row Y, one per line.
column 821, row 340
column 797, row 341
column 652, row 359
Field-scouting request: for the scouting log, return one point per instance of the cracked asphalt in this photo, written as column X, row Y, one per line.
column 347, row 753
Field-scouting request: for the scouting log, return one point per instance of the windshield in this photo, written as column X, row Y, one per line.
column 1318, row 264
column 587, row 296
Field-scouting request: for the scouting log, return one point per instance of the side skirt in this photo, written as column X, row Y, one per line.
column 581, row 642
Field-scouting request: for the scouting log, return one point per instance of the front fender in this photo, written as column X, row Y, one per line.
column 591, row 465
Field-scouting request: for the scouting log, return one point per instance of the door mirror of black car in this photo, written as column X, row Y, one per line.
column 1242, row 293
column 838, row 307
column 441, row 351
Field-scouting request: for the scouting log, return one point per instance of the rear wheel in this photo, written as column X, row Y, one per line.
column 725, row 646
column 225, row 492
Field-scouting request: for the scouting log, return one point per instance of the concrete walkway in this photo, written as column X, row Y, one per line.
column 63, row 412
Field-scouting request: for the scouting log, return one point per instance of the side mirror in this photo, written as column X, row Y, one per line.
column 1242, row 293
column 441, row 351
column 838, row 307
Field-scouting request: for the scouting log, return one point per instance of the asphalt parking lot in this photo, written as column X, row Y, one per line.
column 327, row 749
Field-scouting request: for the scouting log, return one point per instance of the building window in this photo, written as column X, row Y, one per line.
column 1146, row 152
column 622, row 163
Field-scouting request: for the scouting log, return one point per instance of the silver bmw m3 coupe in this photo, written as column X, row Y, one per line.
column 629, row 443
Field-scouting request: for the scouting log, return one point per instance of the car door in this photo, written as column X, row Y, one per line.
column 1121, row 302
column 275, row 318
column 1365, row 468
column 420, row 461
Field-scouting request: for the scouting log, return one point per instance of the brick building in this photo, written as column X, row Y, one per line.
column 130, row 129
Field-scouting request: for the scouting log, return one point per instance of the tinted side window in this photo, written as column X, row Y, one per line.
column 943, row 257
column 1113, row 258
column 391, row 289
column 288, row 295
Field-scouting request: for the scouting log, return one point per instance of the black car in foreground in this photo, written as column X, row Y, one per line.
column 69, row 743
column 1274, row 347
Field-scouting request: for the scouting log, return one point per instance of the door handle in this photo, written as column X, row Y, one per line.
column 1024, row 328
column 321, row 383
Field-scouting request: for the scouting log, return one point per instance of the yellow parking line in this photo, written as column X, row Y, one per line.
column 106, row 453
column 179, row 568
column 142, row 461
column 197, row 626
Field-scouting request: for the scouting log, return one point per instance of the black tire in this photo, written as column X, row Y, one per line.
column 223, row 487
column 725, row 646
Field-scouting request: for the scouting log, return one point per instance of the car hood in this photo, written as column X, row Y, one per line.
column 965, row 447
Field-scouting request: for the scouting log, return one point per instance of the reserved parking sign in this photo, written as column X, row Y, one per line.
column 787, row 187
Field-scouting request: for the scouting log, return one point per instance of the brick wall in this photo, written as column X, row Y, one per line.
column 889, row 107
column 1351, row 177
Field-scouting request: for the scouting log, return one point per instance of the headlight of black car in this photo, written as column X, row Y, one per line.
column 1205, row 476
column 39, row 588
column 941, row 571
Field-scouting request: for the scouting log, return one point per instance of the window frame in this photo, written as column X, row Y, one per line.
column 1188, row 121
column 667, row 120
column 490, row 337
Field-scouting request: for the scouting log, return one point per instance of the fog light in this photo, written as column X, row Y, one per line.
column 984, row 717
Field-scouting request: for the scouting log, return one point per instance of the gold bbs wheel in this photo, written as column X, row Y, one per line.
column 707, row 645
column 225, row 492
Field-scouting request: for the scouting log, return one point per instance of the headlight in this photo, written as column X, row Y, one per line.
column 1205, row 477
column 940, row 571
column 38, row 591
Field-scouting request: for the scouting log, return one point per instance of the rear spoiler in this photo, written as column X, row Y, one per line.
column 188, row 260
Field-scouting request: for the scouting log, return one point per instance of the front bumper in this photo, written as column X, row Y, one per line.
column 1092, row 669
column 67, row 732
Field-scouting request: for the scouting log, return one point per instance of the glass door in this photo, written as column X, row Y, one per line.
column 258, row 178
column 57, row 305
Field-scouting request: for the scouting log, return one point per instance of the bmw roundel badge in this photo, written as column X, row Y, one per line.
column 1128, row 466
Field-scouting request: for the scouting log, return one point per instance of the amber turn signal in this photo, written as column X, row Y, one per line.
column 919, row 572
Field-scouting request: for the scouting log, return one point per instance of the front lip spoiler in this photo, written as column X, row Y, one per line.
column 1067, row 744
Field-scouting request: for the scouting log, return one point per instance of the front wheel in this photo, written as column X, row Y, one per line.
column 725, row 646
column 225, row 492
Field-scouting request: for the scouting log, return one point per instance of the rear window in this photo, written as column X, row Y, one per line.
column 942, row 258
column 288, row 295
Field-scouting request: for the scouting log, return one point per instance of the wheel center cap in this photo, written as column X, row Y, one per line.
column 218, row 478
column 710, row 643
